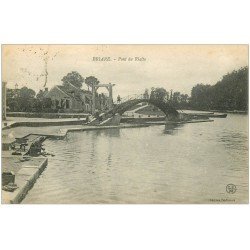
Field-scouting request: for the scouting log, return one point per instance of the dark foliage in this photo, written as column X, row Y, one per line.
column 74, row 78
column 158, row 94
column 24, row 100
column 230, row 93
column 91, row 80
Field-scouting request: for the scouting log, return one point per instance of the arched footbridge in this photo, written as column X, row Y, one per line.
column 127, row 103
column 113, row 116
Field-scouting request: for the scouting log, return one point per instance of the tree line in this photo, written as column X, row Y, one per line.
column 230, row 93
column 177, row 99
column 26, row 99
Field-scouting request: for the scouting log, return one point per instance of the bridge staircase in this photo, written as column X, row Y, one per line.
column 105, row 120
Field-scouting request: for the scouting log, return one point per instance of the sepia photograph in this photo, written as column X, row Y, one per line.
column 125, row 124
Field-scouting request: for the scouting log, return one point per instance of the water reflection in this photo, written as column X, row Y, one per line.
column 113, row 132
column 172, row 129
column 91, row 148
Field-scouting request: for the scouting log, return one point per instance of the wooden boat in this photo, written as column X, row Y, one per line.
column 210, row 116
column 218, row 115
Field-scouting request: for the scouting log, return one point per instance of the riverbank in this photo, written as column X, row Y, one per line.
column 46, row 115
column 13, row 122
column 223, row 111
column 150, row 111
column 26, row 173
column 178, row 123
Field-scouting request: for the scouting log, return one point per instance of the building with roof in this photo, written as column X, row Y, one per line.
column 73, row 99
column 70, row 98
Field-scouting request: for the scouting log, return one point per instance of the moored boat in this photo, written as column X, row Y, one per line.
column 218, row 115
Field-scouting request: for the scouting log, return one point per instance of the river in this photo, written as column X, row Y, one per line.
column 192, row 163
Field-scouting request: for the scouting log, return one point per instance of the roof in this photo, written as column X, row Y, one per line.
column 63, row 88
column 78, row 89
column 69, row 91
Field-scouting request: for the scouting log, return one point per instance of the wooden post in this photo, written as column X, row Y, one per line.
column 93, row 100
column 4, row 101
column 110, row 96
column 109, row 87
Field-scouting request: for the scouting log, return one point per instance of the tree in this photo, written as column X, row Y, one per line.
column 11, row 101
column 25, row 98
column 47, row 104
column 167, row 96
column 26, row 93
column 171, row 95
column 201, row 96
column 91, row 80
column 176, row 97
column 42, row 104
column 74, row 78
column 158, row 94
column 37, row 105
column 146, row 94
column 230, row 93
column 40, row 94
column 178, row 100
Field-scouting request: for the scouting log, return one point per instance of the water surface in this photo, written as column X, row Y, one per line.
column 192, row 163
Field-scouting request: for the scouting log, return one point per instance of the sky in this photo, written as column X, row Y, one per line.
column 176, row 67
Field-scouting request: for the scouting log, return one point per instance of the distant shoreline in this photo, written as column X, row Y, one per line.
column 229, row 111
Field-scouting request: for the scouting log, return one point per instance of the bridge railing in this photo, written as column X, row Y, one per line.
column 130, row 97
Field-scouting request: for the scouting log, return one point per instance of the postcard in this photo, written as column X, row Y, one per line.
column 125, row 124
